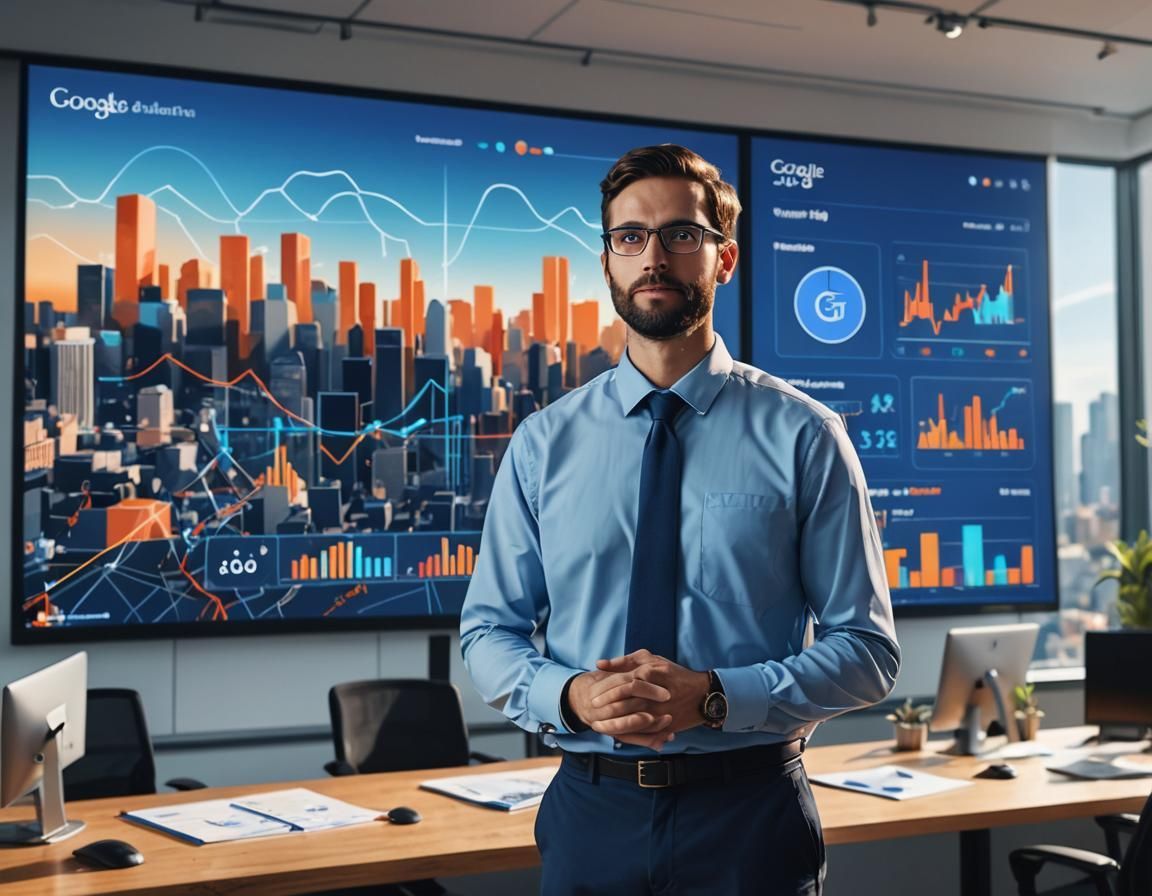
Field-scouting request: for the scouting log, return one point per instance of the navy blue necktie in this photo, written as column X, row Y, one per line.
column 656, row 555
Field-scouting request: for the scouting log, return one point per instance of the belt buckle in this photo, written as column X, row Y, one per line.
column 646, row 774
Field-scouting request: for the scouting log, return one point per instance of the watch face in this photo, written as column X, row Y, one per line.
column 716, row 707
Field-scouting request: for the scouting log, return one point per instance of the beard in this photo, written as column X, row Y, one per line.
column 664, row 324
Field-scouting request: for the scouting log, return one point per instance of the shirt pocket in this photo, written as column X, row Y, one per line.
column 744, row 543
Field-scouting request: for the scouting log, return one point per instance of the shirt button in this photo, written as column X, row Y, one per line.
column 616, row 745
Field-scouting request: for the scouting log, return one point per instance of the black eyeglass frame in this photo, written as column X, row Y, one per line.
column 606, row 236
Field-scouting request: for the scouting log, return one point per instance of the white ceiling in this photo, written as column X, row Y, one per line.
column 819, row 40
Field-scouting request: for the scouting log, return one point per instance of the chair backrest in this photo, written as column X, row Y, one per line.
column 1135, row 878
column 387, row 725
column 118, row 758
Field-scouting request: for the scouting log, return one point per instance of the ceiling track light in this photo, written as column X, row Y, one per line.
column 1109, row 49
column 871, row 15
column 949, row 24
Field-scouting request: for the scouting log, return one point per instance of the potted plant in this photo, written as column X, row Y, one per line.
column 1028, row 711
column 1134, row 575
column 911, row 725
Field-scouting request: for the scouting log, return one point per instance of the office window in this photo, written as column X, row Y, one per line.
column 1086, row 424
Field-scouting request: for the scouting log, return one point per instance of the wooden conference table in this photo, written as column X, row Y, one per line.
column 459, row 838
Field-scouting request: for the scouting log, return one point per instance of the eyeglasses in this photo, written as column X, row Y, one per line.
column 679, row 239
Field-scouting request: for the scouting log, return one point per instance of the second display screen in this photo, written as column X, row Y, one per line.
column 908, row 290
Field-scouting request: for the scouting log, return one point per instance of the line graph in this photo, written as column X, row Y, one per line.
column 242, row 213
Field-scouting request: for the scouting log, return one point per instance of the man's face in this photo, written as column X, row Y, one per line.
column 659, row 294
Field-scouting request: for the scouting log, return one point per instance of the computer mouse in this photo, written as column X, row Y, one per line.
column 1001, row 771
column 104, row 854
column 402, row 815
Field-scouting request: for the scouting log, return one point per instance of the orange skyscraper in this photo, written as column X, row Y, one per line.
column 556, row 297
column 164, row 280
column 135, row 254
column 462, row 328
column 368, row 317
column 296, row 272
column 482, row 299
column 257, row 285
column 348, row 288
column 235, row 278
column 409, row 275
column 586, row 325
column 496, row 342
column 543, row 322
column 418, row 307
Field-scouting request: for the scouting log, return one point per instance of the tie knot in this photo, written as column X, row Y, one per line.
column 665, row 405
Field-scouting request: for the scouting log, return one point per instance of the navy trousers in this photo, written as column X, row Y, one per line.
column 753, row 834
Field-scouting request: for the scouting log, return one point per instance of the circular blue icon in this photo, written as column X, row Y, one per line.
column 830, row 305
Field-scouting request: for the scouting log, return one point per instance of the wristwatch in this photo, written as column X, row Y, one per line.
column 715, row 705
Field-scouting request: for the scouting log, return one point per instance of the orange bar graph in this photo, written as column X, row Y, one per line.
column 315, row 573
column 929, row 560
column 1027, row 565
column 460, row 561
column 932, row 575
column 295, row 569
column 282, row 473
column 979, row 432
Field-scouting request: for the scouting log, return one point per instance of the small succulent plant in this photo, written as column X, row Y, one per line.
column 909, row 714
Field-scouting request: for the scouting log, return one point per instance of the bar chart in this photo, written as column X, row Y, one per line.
column 448, row 562
column 972, row 423
column 946, row 542
column 341, row 561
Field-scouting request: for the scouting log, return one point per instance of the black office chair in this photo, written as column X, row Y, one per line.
column 1131, row 876
column 397, row 724
column 393, row 725
column 117, row 758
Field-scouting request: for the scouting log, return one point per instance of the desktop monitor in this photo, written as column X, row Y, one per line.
column 42, row 722
column 981, row 666
column 1117, row 693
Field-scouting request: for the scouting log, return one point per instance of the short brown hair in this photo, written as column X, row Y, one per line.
column 670, row 160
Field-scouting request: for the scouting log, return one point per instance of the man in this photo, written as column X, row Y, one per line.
column 670, row 529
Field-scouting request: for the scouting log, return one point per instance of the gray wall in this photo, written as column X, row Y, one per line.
column 269, row 684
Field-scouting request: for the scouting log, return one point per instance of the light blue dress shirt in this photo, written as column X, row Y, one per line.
column 775, row 528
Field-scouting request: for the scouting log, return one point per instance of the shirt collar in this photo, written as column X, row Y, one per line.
column 698, row 387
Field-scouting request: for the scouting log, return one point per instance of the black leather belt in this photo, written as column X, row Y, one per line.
column 690, row 768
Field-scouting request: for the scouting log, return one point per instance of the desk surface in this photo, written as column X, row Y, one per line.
column 458, row 838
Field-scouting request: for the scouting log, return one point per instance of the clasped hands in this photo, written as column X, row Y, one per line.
column 641, row 698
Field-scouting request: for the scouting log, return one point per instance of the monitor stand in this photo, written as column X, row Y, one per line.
column 969, row 737
column 51, row 824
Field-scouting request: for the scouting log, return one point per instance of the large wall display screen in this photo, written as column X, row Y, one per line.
column 909, row 291
column 274, row 343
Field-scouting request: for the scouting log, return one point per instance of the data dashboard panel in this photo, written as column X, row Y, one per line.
column 908, row 290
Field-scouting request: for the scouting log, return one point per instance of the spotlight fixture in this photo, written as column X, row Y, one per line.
column 950, row 24
column 871, row 15
column 1109, row 49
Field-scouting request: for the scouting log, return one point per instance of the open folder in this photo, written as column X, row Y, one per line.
column 260, row 815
